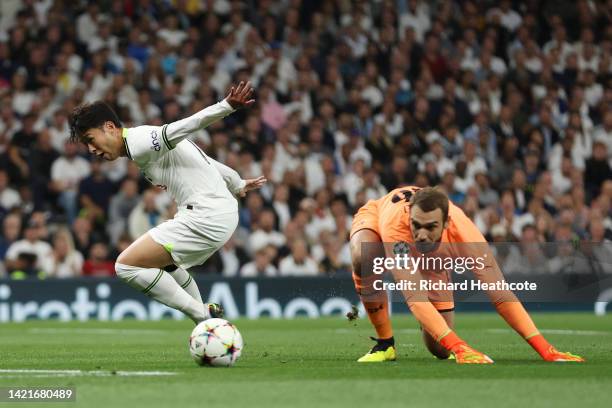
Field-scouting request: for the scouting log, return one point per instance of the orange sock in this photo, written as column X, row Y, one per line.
column 376, row 304
column 378, row 313
column 451, row 341
column 541, row 345
column 517, row 317
column 431, row 320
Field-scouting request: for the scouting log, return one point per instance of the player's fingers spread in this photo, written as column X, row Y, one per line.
column 246, row 91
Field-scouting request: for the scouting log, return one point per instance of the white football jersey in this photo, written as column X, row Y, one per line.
column 170, row 161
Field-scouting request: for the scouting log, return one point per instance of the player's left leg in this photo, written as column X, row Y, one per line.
column 375, row 302
column 189, row 239
column 432, row 344
column 141, row 266
column 185, row 280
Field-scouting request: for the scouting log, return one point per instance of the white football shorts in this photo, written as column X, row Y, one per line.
column 192, row 236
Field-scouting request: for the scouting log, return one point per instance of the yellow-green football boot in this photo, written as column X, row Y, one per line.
column 384, row 350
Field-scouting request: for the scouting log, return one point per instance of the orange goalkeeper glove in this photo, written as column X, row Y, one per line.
column 550, row 353
column 464, row 354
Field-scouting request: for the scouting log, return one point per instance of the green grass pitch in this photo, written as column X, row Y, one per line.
column 310, row 363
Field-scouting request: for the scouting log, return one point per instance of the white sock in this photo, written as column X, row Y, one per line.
column 162, row 287
column 186, row 281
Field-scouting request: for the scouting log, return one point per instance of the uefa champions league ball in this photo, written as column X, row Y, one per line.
column 215, row 342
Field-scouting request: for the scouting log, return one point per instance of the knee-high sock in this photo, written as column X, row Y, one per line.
column 376, row 304
column 162, row 287
column 185, row 280
column 378, row 313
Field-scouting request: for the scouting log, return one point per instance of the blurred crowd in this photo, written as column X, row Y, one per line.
column 505, row 104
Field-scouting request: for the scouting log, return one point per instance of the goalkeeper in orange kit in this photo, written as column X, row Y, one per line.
column 426, row 218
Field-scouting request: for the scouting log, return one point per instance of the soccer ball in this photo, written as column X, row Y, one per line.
column 215, row 342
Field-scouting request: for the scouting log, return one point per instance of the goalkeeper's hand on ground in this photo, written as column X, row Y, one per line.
column 552, row 354
column 463, row 353
column 549, row 352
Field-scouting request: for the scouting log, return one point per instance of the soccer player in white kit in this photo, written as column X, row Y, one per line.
column 204, row 190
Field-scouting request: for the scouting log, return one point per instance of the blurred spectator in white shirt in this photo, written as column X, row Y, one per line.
column 68, row 262
column 260, row 266
column 299, row 263
column 265, row 233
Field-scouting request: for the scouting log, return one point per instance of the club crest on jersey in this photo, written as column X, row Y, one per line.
column 155, row 141
column 401, row 248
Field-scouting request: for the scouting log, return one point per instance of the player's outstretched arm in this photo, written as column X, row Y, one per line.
column 514, row 313
column 471, row 243
column 239, row 96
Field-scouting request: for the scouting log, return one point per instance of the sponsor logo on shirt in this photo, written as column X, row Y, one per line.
column 155, row 141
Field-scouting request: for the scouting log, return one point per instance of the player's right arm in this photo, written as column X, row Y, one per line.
column 173, row 133
column 238, row 97
column 148, row 143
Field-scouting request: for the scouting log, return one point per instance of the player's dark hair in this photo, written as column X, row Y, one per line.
column 90, row 116
column 430, row 198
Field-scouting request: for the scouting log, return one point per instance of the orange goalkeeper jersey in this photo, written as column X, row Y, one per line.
column 389, row 217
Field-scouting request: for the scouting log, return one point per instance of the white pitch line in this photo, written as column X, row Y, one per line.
column 7, row 373
column 545, row 331
column 409, row 331
column 560, row 331
column 51, row 330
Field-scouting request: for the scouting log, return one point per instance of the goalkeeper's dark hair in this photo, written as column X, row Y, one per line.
column 430, row 198
column 89, row 116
